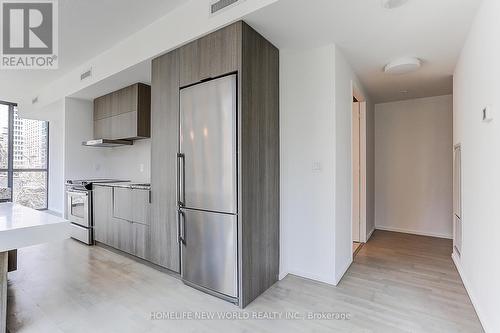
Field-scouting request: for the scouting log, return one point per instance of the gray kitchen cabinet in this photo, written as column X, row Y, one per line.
column 125, row 100
column 220, row 52
column 259, row 165
column 211, row 56
column 129, row 237
column 123, row 126
column 102, row 203
column 121, row 227
column 189, row 64
column 119, row 233
column 123, row 114
column 131, row 205
column 238, row 49
column 102, row 107
column 140, row 241
column 102, row 128
column 165, row 250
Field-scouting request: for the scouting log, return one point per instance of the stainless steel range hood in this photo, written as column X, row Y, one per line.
column 107, row 143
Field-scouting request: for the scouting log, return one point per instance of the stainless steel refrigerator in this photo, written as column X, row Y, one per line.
column 207, row 186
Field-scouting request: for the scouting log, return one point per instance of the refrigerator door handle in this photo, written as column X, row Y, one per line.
column 181, row 173
column 181, row 227
column 178, row 233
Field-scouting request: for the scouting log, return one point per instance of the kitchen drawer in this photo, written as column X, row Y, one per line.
column 131, row 205
column 140, row 240
column 129, row 237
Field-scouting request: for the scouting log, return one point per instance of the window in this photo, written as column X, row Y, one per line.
column 24, row 157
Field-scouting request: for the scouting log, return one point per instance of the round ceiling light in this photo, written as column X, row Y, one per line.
column 390, row 4
column 403, row 66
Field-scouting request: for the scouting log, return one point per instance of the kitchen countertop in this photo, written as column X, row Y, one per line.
column 132, row 185
column 22, row 226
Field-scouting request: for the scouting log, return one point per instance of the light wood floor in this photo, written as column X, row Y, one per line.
column 398, row 283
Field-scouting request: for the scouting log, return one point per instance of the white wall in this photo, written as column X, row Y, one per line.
column 79, row 161
column 70, row 123
column 56, row 158
column 414, row 165
column 344, row 81
column 477, row 84
column 315, row 125
column 54, row 114
column 307, row 138
column 128, row 162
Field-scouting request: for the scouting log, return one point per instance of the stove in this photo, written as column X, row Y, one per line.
column 87, row 183
column 79, row 210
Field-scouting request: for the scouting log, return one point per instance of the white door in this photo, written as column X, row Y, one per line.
column 356, row 179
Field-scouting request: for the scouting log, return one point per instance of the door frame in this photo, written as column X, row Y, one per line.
column 358, row 95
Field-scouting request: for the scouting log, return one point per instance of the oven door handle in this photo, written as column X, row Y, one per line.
column 81, row 193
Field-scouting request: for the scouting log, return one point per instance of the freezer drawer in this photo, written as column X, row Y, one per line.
column 207, row 159
column 209, row 251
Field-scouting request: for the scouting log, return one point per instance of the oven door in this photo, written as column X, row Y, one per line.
column 78, row 207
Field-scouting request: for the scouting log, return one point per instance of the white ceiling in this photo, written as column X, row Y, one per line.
column 87, row 28
column 140, row 72
column 368, row 35
column 371, row 36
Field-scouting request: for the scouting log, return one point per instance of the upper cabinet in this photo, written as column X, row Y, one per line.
column 123, row 114
column 216, row 54
column 189, row 64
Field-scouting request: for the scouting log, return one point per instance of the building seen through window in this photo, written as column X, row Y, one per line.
column 23, row 158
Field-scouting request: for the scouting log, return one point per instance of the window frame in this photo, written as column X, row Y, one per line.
column 10, row 161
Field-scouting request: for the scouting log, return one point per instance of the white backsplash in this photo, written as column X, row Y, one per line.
column 127, row 162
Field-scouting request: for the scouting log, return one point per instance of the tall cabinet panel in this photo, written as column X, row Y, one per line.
column 259, row 165
column 240, row 50
column 164, row 144
column 103, row 206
